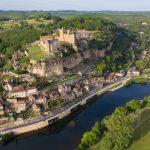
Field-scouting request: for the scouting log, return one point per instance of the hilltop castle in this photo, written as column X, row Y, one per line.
column 50, row 43
column 67, row 36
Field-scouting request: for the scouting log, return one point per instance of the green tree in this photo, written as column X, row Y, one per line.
column 146, row 101
column 89, row 138
column 121, row 110
column 100, row 66
column 139, row 64
column 133, row 105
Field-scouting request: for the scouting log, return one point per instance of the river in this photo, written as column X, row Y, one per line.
column 66, row 134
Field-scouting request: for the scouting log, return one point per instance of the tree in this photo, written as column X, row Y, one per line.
column 29, row 113
column 97, row 128
column 119, row 132
column 24, row 61
column 89, row 138
column 139, row 64
column 121, row 110
column 100, row 66
column 146, row 101
column 133, row 105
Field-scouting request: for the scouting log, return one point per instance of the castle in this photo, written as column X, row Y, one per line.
column 50, row 43
column 57, row 62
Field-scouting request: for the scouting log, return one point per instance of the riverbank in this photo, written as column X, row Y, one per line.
column 80, row 121
column 6, row 138
column 44, row 121
column 138, row 80
column 119, row 130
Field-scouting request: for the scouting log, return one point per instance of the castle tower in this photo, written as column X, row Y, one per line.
column 67, row 36
column 61, row 35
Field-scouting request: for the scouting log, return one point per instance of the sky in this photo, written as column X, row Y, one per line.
column 84, row 5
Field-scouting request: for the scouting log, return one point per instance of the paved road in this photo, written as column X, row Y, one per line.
column 56, row 113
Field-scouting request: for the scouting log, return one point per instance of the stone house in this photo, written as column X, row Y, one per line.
column 20, row 91
column 41, row 99
column 27, row 78
column 143, row 54
column 12, row 100
column 101, row 53
column 112, row 77
column 70, row 95
column 120, row 74
column 1, row 110
column 36, row 109
column 78, row 92
column 133, row 71
column 21, row 105
column 8, row 86
column 31, row 98
column 30, row 90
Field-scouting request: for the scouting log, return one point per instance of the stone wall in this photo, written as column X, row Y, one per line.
column 67, row 36
column 28, row 128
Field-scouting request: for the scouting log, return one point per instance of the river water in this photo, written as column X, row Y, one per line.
column 66, row 134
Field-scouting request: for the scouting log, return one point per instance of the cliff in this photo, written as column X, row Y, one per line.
column 48, row 68
column 72, row 60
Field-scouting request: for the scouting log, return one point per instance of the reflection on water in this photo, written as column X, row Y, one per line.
column 71, row 124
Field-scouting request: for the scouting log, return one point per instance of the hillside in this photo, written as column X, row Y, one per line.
column 115, row 40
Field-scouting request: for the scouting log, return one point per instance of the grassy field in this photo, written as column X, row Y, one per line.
column 142, row 134
column 37, row 22
column 14, row 23
column 141, row 140
column 7, row 25
column 36, row 53
column 142, row 144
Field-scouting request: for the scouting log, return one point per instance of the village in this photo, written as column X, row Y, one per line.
column 37, row 91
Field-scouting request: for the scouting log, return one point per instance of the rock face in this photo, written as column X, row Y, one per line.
column 47, row 68
column 72, row 60
column 54, row 67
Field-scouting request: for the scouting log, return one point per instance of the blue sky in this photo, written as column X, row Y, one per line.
column 125, row 5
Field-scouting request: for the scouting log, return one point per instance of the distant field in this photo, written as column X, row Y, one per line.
column 66, row 14
column 37, row 22
column 9, row 24
column 36, row 53
column 14, row 23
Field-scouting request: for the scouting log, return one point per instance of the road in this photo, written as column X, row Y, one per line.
column 57, row 113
